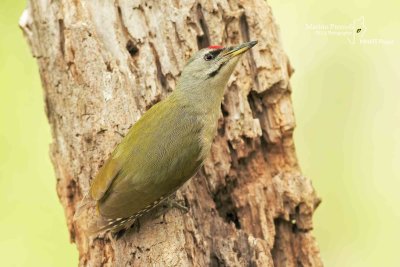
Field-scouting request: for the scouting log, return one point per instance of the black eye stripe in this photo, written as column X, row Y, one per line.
column 215, row 52
column 215, row 72
column 212, row 54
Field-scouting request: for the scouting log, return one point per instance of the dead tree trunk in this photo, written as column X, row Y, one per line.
column 103, row 63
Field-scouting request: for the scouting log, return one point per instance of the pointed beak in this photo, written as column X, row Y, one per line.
column 238, row 50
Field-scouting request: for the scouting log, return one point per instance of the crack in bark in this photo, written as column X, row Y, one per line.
column 244, row 28
column 224, row 203
column 125, row 30
column 131, row 44
column 216, row 261
column 61, row 27
column 160, row 75
column 286, row 239
column 204, row 39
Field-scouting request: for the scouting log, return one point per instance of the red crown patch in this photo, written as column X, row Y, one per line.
column 215, row 47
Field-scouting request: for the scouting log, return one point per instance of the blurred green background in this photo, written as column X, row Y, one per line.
column 346, row 100
column 33, row 230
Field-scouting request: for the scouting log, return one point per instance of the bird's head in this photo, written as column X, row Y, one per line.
column 208, row 70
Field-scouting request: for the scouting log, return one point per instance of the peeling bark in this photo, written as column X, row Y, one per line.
column 104, row 63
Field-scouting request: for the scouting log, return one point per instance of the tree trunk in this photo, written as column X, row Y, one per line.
column 103, row 63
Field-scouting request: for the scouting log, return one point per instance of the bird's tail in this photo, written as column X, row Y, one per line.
column 89, row 218
column 101, row 225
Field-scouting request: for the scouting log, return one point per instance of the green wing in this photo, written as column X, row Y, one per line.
column 160, row 153
column 105, row 177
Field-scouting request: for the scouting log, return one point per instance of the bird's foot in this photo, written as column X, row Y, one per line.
column 167, row 204
column 173, row 203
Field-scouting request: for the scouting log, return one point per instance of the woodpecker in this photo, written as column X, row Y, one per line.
column 166, row 146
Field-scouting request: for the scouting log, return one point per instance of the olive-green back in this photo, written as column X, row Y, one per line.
column 159, row 153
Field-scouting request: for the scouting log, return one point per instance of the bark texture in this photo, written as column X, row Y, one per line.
column 103, row 63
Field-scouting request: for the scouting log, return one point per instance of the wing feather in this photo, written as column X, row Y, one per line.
column 149, row 163
column 105, row 177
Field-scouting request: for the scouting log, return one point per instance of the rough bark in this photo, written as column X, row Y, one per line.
column 103, row 63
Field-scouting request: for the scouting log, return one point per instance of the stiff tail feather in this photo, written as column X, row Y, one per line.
column 101, row 225
column 87, row 212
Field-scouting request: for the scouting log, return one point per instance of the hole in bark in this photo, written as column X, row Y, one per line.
column 297, row 209
column 201, row 43
column 295, row 229
column 224, row 111
column 224, row 204
column 221, row 121
column 108, row 67
column 242, row 161
column 71, row 189
column 132, row 48
column 277, row 248
column 255, row 102
column 215, row 261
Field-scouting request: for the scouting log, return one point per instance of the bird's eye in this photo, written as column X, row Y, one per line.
column 208, row 57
